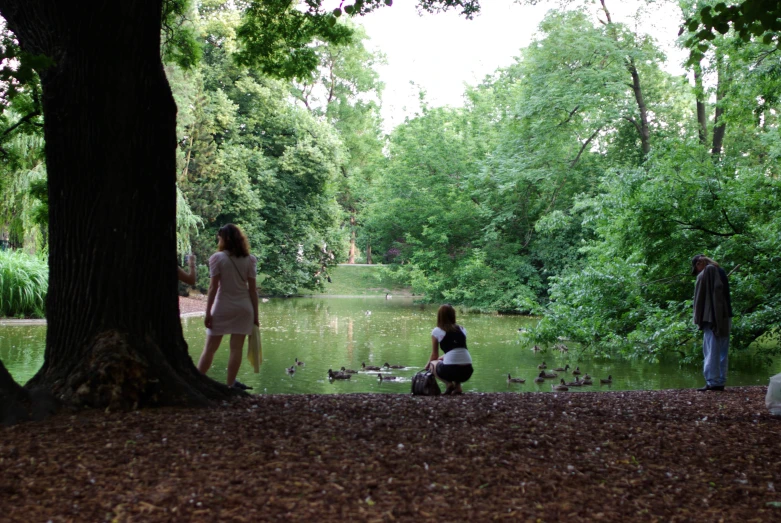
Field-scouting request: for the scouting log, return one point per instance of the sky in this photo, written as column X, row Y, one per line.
column 442, row 52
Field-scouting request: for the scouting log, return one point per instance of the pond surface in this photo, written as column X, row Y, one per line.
column 334, row 332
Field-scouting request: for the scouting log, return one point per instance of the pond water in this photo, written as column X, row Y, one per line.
column 334, row 332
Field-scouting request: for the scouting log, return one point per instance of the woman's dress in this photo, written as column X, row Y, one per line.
column 232, row 310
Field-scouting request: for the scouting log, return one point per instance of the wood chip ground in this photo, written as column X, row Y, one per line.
column 675, row 455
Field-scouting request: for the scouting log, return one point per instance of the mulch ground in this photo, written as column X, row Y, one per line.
column 610, row 456
column 192, row 305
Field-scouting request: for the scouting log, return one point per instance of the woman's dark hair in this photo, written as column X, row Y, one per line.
column 446, row 318
column 233, row 240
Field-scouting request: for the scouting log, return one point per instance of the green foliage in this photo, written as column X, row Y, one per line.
column 749, row 19
column 24, row 281
column 180, row 44
column 187, row 223
column 276, row 37
column 250, row 157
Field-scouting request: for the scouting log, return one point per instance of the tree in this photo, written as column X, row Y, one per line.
column 114, row 336
column 346, row 90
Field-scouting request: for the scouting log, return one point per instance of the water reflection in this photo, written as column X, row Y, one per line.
column 332, row 333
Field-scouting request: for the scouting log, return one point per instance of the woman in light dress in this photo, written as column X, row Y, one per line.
column 232, row 306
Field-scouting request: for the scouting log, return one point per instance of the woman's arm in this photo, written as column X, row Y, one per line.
column 434, row 349
column 187, row 277
column 214, row 284
column 253, row 297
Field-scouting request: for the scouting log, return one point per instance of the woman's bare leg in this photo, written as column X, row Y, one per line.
column 207, row 356
column 234, row 360
column 448, row 385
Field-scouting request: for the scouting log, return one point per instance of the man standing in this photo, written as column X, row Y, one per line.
column 713, row 316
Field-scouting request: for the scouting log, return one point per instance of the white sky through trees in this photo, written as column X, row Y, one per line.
column 442, row 52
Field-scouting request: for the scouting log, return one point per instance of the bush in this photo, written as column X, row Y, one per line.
column 24, row 282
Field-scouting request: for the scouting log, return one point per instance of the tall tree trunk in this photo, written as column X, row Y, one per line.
column 642, row 125
column 114, row 337
column 351, row 256
column 702, row 117
column 719, row 127
column 369, row 252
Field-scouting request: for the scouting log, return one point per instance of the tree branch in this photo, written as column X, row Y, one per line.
column 583, row 147
column 571, row 114
column 703, row 229
column 21, row 121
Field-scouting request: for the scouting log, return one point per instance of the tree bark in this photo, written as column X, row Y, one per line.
column 369, row 252
column 702, row 117
column 645, row 134
column 114, row 337
column 719, row 127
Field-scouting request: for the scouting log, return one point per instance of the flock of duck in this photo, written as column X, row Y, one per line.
column 562, row 386
column 346, row 374
column 580, row 380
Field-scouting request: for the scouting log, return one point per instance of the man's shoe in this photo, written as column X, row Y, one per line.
column 709, row 387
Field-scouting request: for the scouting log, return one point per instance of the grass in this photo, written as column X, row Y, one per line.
column 357, row 280
column 24, row 282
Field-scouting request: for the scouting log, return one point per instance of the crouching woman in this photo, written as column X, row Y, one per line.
column 455, row 366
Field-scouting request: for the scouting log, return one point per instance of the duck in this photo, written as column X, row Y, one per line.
column 563, row 369
column 388, row 366
column 369, row 367
column 337, row 375
column 576, row 383
column 609, row 380
column 587, row 381
column 510, row 379
column 549, row 375
column 291, row 369
column 299, row 362
column 368, row 313
column 386, row 378
column 536, row 348
column 562, row 348
column 540, row 377
column 576, row 371
column 347, row 371
column 560, row 387
column 542, row 366
column 586, row 376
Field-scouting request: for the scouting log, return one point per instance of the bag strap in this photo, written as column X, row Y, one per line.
column 237, row 269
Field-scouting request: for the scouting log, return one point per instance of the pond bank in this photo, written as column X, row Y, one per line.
column 672, row 455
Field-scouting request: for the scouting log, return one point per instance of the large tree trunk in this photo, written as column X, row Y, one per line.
column 114, row 337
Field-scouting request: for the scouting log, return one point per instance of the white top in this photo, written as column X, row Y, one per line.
column 439, row 334
column 232, row 310
column 453, row 356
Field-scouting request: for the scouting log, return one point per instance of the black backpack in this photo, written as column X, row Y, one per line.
column 425, row 384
